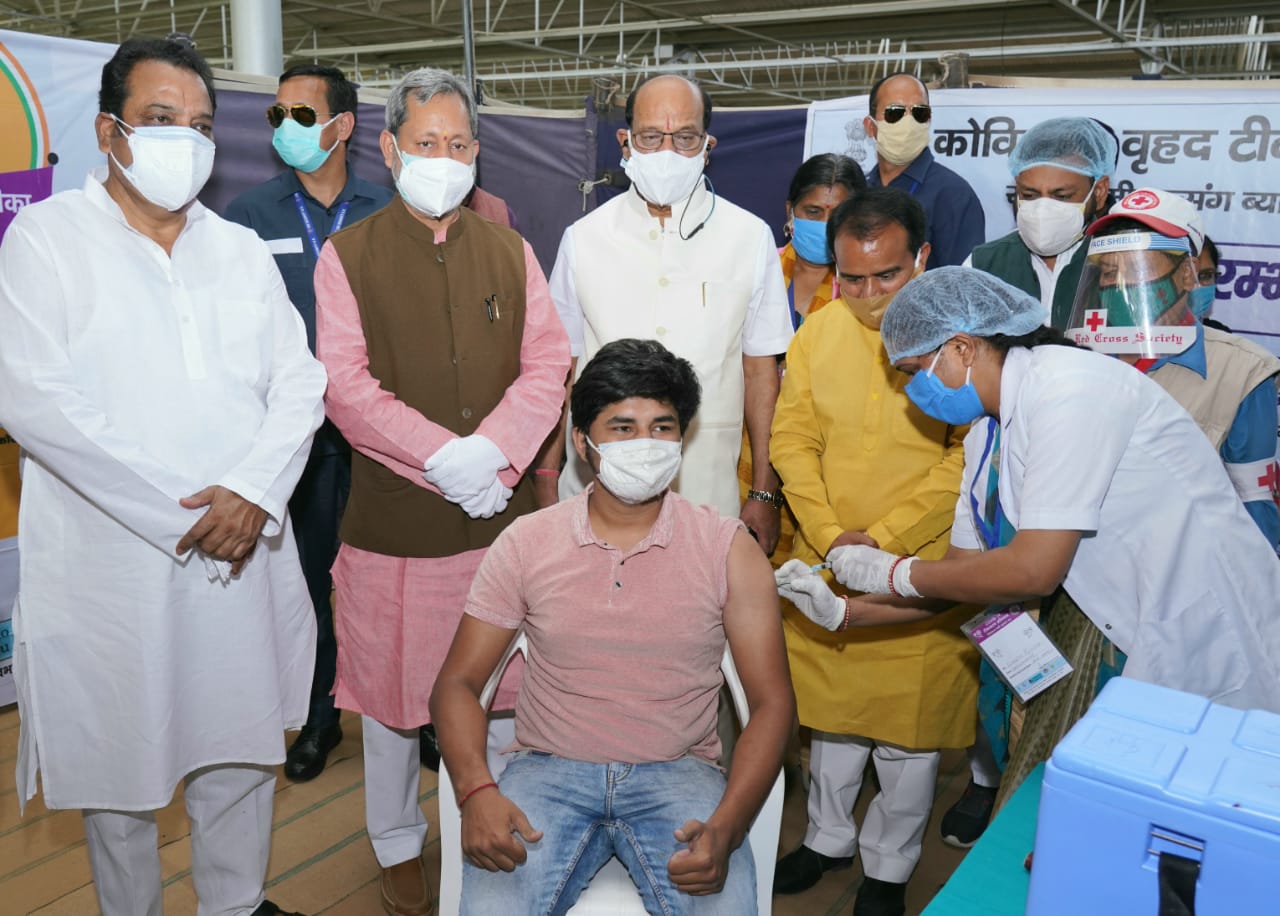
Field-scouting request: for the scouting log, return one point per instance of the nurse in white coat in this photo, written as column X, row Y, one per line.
column 1107, row 486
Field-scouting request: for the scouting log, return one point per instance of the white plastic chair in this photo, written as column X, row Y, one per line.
column 611, row 892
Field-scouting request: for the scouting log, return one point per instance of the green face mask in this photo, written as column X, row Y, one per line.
column 1150, row 300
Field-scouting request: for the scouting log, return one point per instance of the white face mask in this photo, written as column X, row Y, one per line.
column 1049, row 227
column 170, row 164
column 900, row 143
column 664, row 177
column 435, row 185
column 637, row 470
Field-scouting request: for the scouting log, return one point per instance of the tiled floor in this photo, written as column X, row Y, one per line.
column 321, row 861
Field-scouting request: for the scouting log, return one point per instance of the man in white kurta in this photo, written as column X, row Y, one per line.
column 159, row 383
column 702, row 277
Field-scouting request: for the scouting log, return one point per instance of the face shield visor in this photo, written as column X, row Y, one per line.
column 1132, row 297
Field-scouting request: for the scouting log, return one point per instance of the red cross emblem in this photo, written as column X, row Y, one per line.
column 1141, row 200
column 1096, row 319
column 1271, row 480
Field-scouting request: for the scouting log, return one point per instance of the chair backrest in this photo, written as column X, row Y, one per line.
column 611, row 891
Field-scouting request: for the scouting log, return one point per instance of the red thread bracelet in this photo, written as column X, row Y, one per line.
column 479, row 788
column 893, row 591
column 546, row 472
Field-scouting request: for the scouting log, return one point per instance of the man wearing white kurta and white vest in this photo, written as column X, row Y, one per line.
column 669, row 260
column 159, row 383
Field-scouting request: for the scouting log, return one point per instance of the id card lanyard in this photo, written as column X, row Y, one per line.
column 1020, row 652
column 312, row 236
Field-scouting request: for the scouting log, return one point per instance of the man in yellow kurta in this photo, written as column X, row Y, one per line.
column 861, row 465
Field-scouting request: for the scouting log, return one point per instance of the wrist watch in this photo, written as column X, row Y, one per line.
column 773, row 498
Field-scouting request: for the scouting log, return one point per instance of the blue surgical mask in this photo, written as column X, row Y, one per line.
column 299, row 146
column 956, row 406
column 1201, row 300
column 809, row 239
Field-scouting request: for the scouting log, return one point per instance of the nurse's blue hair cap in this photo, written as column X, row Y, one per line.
column 940, row 303
column 1080, row 145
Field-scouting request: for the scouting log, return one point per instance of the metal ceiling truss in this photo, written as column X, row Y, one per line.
column 555, row 52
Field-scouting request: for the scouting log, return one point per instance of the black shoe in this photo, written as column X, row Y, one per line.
column 429, row 748
column 267, row 908
column 310, row 750
column 880, row 898
column 966, row 819
column 802, row 868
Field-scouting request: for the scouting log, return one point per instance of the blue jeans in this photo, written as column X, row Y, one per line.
column 589, row 812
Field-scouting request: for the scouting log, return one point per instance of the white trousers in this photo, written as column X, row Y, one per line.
column 894, row 827
column 982, row 760
column 393, row 816
column 230, row 811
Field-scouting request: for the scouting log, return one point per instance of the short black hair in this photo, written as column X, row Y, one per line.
column 341, row 92
column 874, row 94
column 706, row 99
column 1211, row 250
column 178, row 53
column 869, row 212
column 631, row 368
column 825, row 170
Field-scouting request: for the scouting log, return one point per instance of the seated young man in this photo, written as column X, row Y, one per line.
column 627, row 593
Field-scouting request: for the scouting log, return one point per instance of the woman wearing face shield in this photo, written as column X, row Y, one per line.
column 1082, row 473
column 821, row 184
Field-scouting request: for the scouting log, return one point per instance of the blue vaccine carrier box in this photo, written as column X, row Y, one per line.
column 1148, row 773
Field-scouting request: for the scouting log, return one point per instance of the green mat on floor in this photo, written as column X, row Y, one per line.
column 991, row 881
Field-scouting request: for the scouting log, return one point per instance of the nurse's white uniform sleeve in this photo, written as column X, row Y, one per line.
column 57, row 423
column 269, row 472
column 1077, row 429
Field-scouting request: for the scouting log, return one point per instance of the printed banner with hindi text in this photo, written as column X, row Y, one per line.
column 1218, row 147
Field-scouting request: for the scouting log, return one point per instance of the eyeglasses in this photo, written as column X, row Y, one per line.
column 305, row 115
column 683, row 140
column 893, row 113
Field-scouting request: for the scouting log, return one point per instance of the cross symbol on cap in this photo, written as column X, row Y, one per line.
column 1095, row 320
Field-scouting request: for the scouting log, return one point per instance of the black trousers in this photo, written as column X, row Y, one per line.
column 316, row 509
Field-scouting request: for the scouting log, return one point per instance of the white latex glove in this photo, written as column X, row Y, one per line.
column 810, row 593
column 866, row 569
column 489, row 503
column 464, row 467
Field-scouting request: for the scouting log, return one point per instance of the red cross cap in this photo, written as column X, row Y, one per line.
column 1141, row 200
column 1097, row 318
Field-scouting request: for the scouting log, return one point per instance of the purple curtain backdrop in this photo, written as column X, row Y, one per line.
column 534, row 163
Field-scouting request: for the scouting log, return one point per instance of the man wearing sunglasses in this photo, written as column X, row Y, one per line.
column 312, row 118
column 899, row 122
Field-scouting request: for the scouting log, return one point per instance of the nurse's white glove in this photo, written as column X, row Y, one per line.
column 876, row 572
column 810, row 594
column 489, row 503
column 465, row 467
